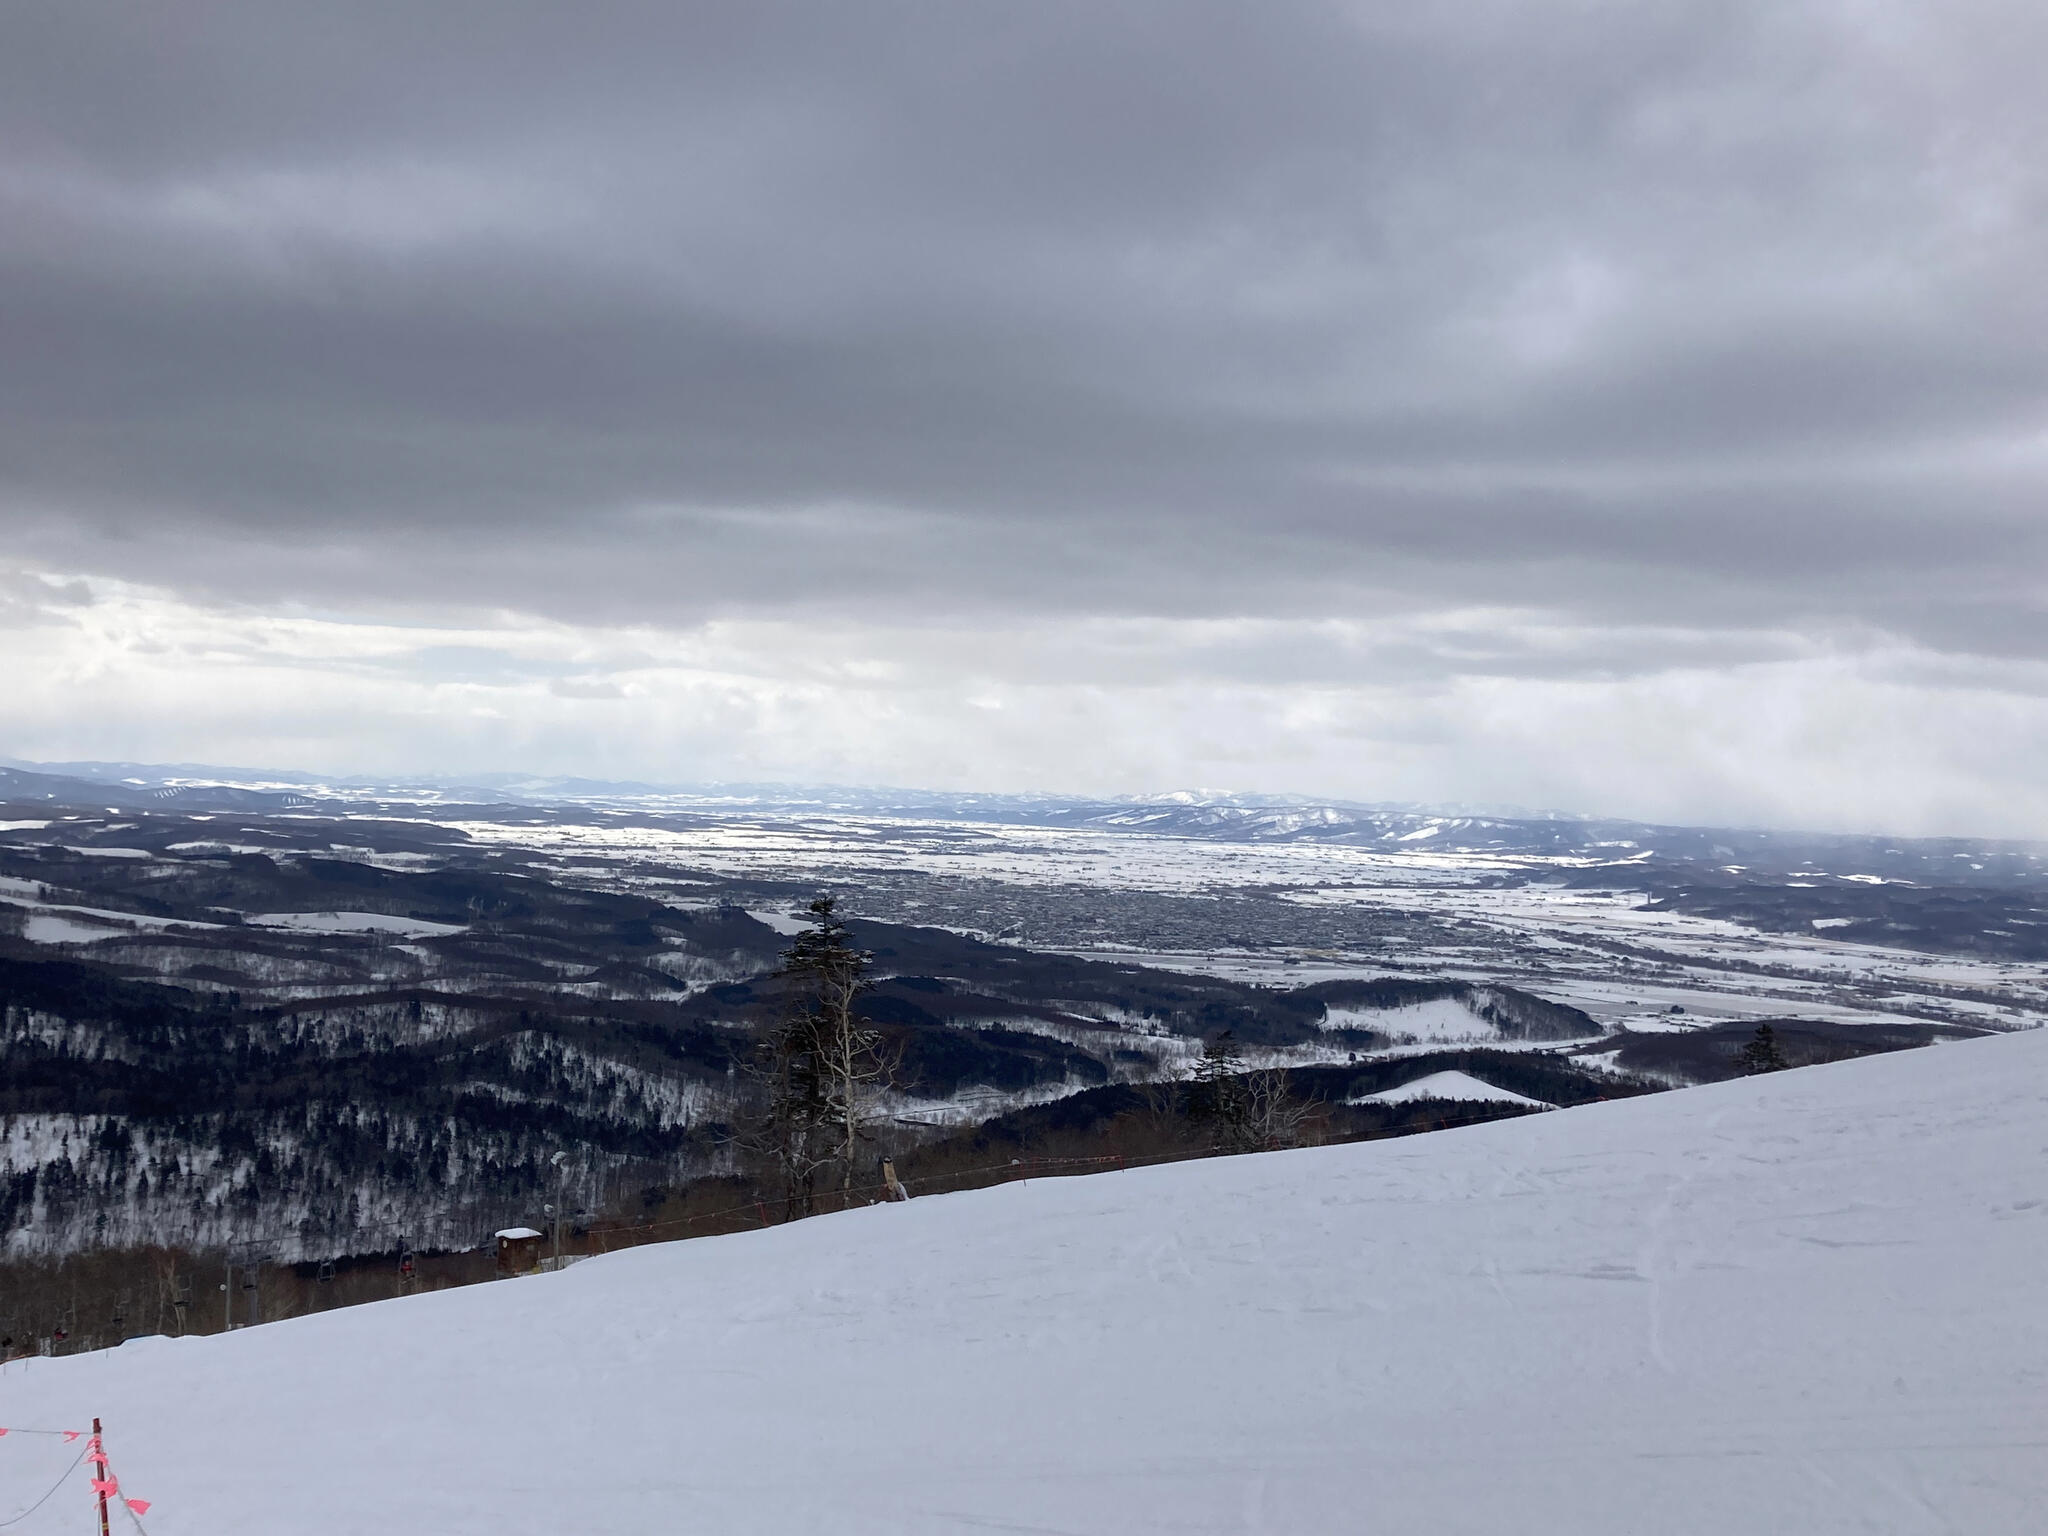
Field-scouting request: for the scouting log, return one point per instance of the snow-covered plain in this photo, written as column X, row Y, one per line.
column 352, row 922
column 1556, row 940
column 1804, row 1303
column 53, row 923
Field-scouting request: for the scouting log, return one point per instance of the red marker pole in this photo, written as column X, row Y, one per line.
column 101, row 1446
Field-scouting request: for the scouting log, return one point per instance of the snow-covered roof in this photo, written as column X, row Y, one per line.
column 516, row 1233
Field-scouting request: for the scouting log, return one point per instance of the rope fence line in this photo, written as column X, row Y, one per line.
column 1018, row 1170
column 39, row 1503
column 105, row 1485
column 134, row 1516
column 108, row 1486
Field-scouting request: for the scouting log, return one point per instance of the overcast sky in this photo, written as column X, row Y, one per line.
column 1630, row 408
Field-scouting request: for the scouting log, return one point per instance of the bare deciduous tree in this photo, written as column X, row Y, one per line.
column 1273, row 1116
column 1249, row 1111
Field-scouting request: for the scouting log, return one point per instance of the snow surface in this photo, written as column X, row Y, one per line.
column 1806, row 1302
column 1438, row 1019
column 48, row 928
column 48, row 923
column 1459, row 1086
column 352, row 922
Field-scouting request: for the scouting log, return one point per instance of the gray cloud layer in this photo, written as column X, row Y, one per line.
column 1725, row 316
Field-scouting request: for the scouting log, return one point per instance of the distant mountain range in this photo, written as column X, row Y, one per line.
column 543, row 789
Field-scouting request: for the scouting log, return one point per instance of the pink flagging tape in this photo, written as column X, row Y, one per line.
column 110, row 1485
column 106, row 1483
column 96, row 1455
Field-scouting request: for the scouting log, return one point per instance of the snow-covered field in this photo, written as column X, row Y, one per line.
column 836, row 846
column 351, row 922
column 1443, row 1020
column 52, row 923
column 1804, row 1303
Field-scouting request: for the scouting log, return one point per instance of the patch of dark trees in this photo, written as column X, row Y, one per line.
column 1090, row 1116
column 1714, row 1053
column 215, row 1074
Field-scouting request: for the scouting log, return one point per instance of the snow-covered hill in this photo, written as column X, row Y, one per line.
column 1456, row 1087
column 1811, row 1302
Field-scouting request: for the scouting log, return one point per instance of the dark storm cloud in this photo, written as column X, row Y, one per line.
column 1716, row 312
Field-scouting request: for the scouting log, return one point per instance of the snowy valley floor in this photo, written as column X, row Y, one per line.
column 1815, row 1302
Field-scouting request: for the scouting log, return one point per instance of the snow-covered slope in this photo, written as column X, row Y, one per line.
column 1811, row 1302
column 1462, row 1087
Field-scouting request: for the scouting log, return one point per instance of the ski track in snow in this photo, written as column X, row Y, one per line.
column 1807, row 1303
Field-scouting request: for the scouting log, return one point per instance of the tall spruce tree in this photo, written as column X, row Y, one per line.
column 1217, row 1097
column 1762, row 1053
column 795, row 1128
column 846, row 1067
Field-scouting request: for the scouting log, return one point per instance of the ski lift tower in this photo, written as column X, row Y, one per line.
column 561, row 1180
